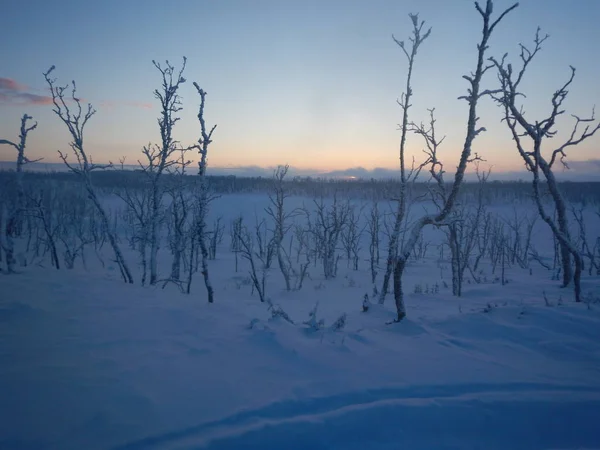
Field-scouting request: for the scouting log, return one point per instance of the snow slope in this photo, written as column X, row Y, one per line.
column 87, row 362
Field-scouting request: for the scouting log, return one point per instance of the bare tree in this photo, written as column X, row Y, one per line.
column 456, row 232
column 326, row 228
column 73, row 214
column 216, row 237
column 519, row 243
column 462, row 232
column 373, row 229
column 474, row 94
column 203, row 199
column 139, row 220
column 159, row 157
column 303, row 248
column 535, row 161
column 235, row 231
column 592, row 253
column 406, row 176
column 13, row 225
column 4, row 244
column 258, row 274
column 483, row 243
column 498, row 242
column 351, row 236
column 44, row 208
column 76, row 119
column 137, row 215
column 280, row 220
column 265, row 241
column 178, row 212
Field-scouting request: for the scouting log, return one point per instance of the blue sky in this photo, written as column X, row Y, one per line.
column 309, row 83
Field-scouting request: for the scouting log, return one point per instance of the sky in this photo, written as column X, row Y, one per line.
column 309, row 83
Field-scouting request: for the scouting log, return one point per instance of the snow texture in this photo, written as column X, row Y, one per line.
column 88, row 362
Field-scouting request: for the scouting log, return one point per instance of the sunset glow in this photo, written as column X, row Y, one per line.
column 311, row 84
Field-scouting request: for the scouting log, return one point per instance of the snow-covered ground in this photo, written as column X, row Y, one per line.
column 87, row 362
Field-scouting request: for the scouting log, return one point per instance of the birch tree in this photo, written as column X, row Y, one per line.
column 43, row 207
column 203, row 198
column 417, row 38
column 69, row 110
column 258, row 274
column 13, row 219
column 473, row 96
column 326, row 229
column 280, row 221
column 158, row 158
column 178, row 213
column 462, row 233
column 541, row 164
column 587, row 250
column 138, row 202
column 373, row 226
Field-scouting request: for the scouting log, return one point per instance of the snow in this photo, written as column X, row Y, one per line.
column 87, row 362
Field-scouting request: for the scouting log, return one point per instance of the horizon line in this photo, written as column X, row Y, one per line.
column 583, row 170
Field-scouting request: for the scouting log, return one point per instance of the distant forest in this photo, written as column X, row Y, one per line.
column 585, row 192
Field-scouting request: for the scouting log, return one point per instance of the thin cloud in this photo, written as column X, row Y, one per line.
column 143, row 105
column 111, row 104
column 107, row 104
column 34, row 99
column 14, row 93
column 9, row 84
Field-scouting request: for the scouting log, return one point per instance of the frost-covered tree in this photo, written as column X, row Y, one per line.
column 326, row 226
column 406, row 175
column 351, row 237
column 462, row 230
column 539, row 163
column 178, row 213
column 281, row 221
column 137, row 216
column 158, row 158
column 12, row 219
column 474, row 94
column 373, row 230
column 203, row 198
column 69, row 110
column 592, row 252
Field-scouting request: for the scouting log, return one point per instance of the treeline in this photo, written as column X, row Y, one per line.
column 111, row 181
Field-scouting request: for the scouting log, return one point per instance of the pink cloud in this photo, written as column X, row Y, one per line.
column 8, row 84
column 14, row 93
column 143, row 105
column 34, row 99
column 107, row 104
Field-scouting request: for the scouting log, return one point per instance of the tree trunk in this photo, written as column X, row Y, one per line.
column 154, row 237
column 455, row 260
column 111, row 238
column 577, row 277
column 6, row 241
column 191, row 264
column 201, row 226
column 564, row 236
column 398, row 292
column 392, row 253
column 283, row 267
column 176, row 265
column 565, row 258
column 209, row 288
